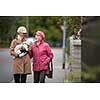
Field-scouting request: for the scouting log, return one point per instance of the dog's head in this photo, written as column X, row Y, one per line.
column 26, row 44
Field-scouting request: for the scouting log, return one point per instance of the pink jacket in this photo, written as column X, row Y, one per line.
column 41, row 55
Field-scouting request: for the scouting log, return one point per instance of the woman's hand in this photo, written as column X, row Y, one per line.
column 29, row 49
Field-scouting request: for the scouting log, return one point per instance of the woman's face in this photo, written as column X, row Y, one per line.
column 23, row 35
column 38, row 37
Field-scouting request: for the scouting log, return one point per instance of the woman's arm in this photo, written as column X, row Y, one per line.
column 49, row 54
column 30, row 52
column 11, row 50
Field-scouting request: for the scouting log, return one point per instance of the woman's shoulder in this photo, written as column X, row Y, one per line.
column 33, row 44
column 14, row 40
column 46, row 44
column 13, row 43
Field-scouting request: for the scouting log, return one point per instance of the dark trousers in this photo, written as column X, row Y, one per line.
column 39, row 76
column 20, row 78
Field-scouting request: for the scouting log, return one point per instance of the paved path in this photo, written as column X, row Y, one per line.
column 6, row 63
column 5, row 66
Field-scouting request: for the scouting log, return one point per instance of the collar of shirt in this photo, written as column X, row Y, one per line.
column 38, row 43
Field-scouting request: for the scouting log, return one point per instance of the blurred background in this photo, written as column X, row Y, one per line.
column 58, row 30
column 90, row 49
column 50, row 25
column 75, row 38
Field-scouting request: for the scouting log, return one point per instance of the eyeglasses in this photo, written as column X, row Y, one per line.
column 24, row 33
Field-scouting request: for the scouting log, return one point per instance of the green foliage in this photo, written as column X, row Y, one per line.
column 4, row 43
column 43, row 23
column 50, row 25
column 6, row 24
column 73, row 24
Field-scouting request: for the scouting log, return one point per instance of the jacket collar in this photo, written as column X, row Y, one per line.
column 39, row 43
column 22, row 40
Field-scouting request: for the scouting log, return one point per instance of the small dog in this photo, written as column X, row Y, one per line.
column 22, row 49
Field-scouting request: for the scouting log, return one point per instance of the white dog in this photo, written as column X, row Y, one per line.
column 22, row 49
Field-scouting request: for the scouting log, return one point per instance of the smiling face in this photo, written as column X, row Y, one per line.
column 38, row 37
column 23, row 35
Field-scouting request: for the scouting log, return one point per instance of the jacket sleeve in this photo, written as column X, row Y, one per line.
column 49, row 54
column 31, row 53
column 11, row 50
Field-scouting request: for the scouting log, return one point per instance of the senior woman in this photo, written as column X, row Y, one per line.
column 42, row 55
column 21, row 65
